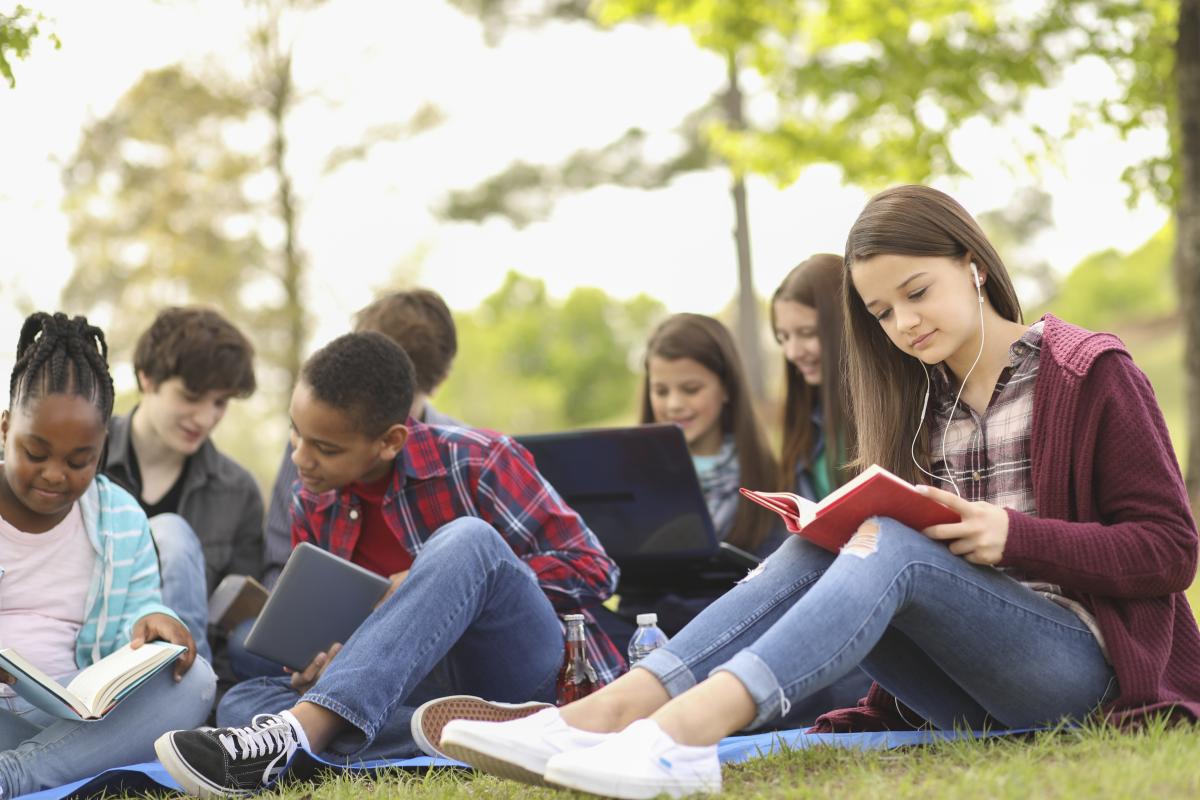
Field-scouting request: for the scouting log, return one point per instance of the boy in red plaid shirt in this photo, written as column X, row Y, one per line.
column 482, row 553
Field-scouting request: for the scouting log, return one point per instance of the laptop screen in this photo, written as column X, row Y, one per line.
column 635, row 488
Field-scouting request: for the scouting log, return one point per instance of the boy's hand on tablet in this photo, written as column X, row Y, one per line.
column 6, row 678
column 396, row 580
column 303, row 681
column 165, row 628
column 982, row 534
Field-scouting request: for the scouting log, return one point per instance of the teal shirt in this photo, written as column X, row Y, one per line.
column 126, row 585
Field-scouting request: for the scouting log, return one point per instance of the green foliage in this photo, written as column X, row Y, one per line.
column 498, row 15
column 528, row 363
column 156, row 207
column 879, row 87
column 17, row 31
column 1108, row 289
column 525, row 193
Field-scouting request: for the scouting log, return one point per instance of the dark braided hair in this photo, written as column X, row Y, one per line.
column 56, row 354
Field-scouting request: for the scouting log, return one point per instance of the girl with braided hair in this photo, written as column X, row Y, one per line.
column 79, row 571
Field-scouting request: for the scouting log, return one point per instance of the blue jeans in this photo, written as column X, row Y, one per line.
column 185, row 585
column 242, row 662
column 962, row 645
column 470, row 618
column 40, row 751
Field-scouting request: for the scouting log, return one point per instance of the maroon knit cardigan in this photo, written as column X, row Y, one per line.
column 1113, row 528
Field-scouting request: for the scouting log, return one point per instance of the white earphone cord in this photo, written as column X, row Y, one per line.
column 912, row 450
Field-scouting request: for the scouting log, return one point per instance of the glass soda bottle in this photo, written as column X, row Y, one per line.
column 647, row 638
column 577, row 678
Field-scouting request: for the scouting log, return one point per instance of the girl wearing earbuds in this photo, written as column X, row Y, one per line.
column 1059, row 596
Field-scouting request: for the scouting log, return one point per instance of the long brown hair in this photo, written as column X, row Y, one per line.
column 708, row 342
column 885, row 385
column 817, row 283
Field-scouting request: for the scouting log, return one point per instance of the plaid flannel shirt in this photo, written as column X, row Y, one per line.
column 989, row 455
column 445, row 473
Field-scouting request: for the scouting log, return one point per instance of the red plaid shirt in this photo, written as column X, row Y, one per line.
column 445, row 473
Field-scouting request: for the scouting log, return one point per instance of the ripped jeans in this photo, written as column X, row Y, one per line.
column 962, row 645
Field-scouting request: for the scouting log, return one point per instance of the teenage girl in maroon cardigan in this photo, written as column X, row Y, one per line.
column 1058, row 596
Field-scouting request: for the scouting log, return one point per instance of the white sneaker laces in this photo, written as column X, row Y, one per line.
column 266, row 734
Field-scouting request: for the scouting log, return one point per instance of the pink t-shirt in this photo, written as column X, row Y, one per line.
column 43, row 592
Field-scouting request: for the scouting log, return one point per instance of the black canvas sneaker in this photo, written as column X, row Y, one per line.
column 228, row 762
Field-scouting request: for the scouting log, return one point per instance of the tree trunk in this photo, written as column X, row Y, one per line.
column 748, row 332
column 293, row 264
column 274, row 58
column 1187, row 242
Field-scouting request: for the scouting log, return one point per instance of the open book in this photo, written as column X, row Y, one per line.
column 95, row 691
column 874, row 493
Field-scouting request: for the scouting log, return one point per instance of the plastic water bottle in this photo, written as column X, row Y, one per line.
column 646, row 639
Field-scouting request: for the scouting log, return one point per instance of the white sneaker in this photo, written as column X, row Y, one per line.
column 430, row 718
column 639, row 762
column 517, row 749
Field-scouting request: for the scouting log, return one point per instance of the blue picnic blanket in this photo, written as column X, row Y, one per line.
column 151, row 777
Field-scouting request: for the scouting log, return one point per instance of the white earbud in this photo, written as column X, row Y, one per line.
column 949, row 419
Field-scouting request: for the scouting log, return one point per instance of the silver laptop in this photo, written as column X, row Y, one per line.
column 319, row 599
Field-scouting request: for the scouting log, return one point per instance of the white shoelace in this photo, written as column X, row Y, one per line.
column 266, row 734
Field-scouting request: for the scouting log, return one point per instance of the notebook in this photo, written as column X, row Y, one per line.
column 637, row 490
column 319, row 599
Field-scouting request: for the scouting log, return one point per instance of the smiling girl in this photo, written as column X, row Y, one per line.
column 694, row 379
column 80, row 575
column 806, row 318
column 1058, row 596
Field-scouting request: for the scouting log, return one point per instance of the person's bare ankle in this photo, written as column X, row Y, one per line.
column 594, row 714
column 631, row 697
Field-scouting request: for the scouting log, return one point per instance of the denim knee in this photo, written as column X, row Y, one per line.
column 463, row 539
column 197, row 691
column 175, row 539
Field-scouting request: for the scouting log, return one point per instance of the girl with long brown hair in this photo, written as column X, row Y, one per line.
column 695, row 379
column 806, row 318
column 1058, row 596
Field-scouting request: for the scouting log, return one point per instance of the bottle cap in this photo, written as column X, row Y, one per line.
column 647, row 619
column 572, row 617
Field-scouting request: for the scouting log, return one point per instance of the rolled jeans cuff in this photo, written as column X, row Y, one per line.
column 760, row 682
column 675, row 676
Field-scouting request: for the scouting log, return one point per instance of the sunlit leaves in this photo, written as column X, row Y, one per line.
column 17, row 32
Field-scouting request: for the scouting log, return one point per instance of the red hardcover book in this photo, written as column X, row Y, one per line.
column 875, row 493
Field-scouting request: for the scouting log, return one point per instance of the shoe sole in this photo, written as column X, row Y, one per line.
column 610, row 785
column 428, row 722
column 480, row 755
column 185, row 776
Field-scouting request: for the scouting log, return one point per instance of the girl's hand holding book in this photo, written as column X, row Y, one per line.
column 165, row 628
column 980, row 536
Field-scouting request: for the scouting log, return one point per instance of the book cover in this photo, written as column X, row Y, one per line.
column 237, row 598
column 874, row 493
column 96, row 690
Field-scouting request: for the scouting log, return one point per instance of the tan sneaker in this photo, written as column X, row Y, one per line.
column 429, row 718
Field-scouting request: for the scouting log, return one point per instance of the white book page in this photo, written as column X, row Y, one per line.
column 115, row 671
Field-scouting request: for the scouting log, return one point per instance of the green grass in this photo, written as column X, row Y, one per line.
column 1092, row 763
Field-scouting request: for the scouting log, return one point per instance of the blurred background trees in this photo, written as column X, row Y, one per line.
column 187, row 190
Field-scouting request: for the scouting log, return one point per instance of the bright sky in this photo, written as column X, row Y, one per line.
column 538, row 97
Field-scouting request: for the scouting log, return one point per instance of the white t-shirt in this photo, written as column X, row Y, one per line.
column 43, row 592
